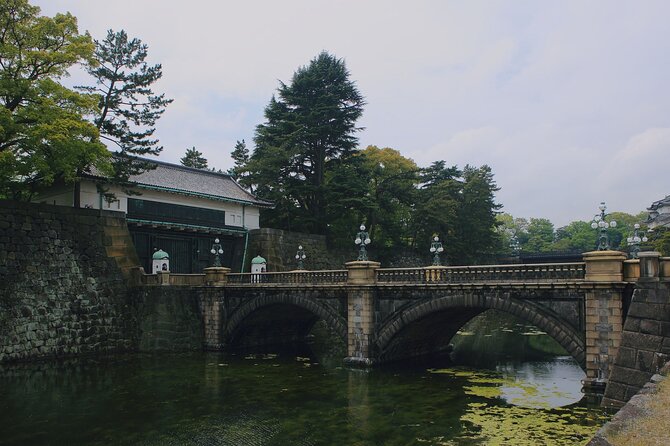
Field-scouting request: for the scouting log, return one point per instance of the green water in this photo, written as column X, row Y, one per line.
column 213, row 399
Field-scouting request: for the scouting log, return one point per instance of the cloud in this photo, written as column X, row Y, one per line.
column 552, row 95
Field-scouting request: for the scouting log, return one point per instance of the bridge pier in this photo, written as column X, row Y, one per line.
column 361, row 278
column 212, row 308
column 604, row 315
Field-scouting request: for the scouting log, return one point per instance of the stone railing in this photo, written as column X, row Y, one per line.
column 167, row 278
column 289, row 277
column 488, row 273
column 450, row 274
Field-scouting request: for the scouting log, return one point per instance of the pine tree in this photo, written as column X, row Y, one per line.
column 128, row 107
column 240, row 156
column 309, row 126
column 193, row 158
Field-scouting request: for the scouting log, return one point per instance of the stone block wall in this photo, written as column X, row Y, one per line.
column 279, row 247
column 168, row 318
column 645, row 344
column 60, row 292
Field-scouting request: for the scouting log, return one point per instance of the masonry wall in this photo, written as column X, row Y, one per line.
column 168, row 318
column 279, row 248
column 60, row 292
column 645, row 344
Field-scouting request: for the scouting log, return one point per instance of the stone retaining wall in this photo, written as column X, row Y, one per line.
column 645, row 343
column 635, row 408
column 169, row 318
column 60, row 293
column 279, row 248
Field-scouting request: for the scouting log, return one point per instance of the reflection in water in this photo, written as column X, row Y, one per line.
column 291, row 398
column 212, row 399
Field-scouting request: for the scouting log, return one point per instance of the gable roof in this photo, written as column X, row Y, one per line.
column 660, row 203
column 189, row 181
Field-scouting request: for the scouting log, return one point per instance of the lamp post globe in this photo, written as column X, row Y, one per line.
column 436, row 249
column 601, row 224
column 362, row 240
column 635, row 240
column 216, row 250
column 300, row 256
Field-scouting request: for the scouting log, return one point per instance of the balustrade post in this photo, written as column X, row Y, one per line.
column 649, row 266
column 361, row 276
column 664, row 267
column 604, row 317
column 631, row 270
column 216, row 275
column 434, row 273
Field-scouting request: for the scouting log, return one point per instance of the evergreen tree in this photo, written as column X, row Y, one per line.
column 128, row 108
column 477, row 214
column 437, row 209
column 43, row 133
column 193, row 158
column 240, row 156
column 309, row 126
column 458, row 206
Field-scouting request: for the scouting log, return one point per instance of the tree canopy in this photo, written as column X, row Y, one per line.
column 240, row 156
column 128, row 108
column 309, row 127
column 43, row 134
column 193, row 158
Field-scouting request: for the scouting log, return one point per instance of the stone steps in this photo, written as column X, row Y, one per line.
column 119, row 246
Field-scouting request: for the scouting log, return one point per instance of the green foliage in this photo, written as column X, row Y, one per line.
column 577, row 236
column 540, row 236
column 43, row 135
column 510, row 230
column 477, row 217
column 348, row 198
column 193, row 158
column 391, row 187
column 240, row 156
column 459, row 207
column 660, row 240
column 128, row 108
column 308, row 129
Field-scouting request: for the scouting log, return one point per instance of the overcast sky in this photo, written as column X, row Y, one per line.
column 567, row 101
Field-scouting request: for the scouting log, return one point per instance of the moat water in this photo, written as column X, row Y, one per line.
column 291, row 398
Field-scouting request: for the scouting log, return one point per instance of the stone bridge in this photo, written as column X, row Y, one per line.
column 386, row 315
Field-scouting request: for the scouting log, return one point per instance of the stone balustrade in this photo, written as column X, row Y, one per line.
column 550, row 272
column 448, row 274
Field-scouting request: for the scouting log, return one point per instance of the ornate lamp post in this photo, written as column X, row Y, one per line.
column 300, row 257
column 634, row 241
column 601, row 225
column 217, row 249
column 362, row 239
column 437, row 249
column 514, row 245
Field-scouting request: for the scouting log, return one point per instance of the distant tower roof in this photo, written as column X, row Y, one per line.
column 160, row 255
column 258, row 260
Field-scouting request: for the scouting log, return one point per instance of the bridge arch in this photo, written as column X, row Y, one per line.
column 303, row 304
column 471, row 306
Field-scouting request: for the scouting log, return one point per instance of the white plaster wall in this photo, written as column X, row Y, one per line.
column 236, row 214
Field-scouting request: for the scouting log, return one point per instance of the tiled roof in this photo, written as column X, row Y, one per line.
column 195, row 182
column 660, row 203
column 658, row 220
